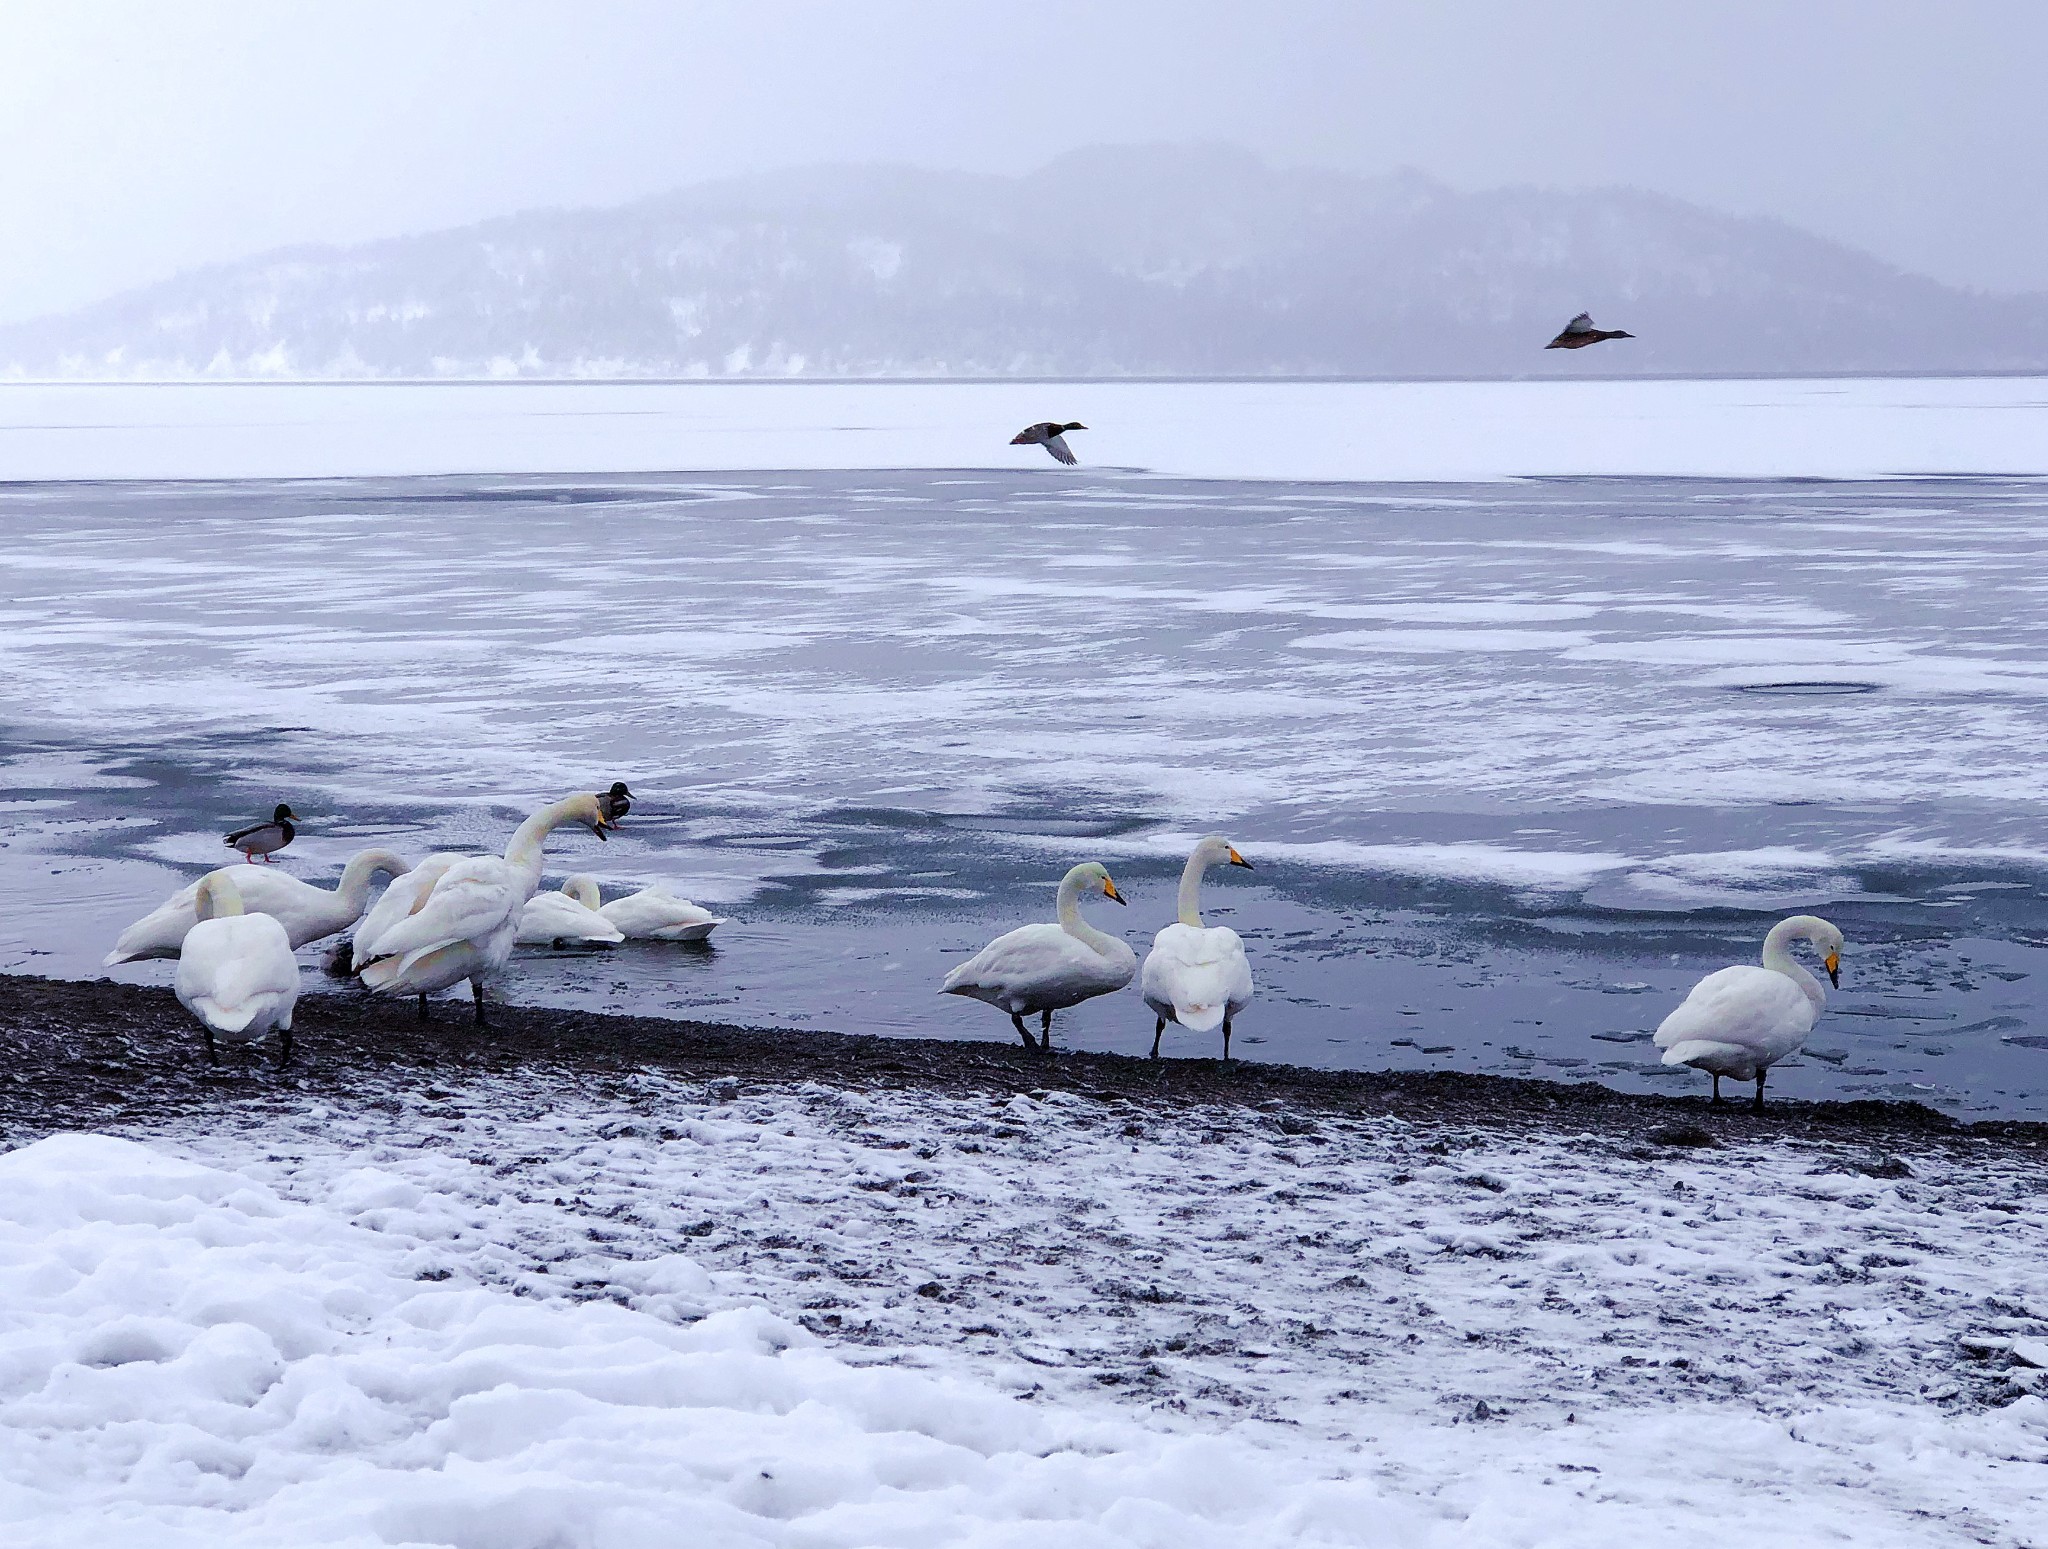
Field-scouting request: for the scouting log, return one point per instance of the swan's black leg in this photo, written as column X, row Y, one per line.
column 476, row 995
column 1226, row 1040
column 423, row 1007
column 212, row 1053
column 1045, row 1033
column 1717, row 1091
column 284, row 1047
column 1758, row 1105
column 1157, row 1032
column 1023, row 1032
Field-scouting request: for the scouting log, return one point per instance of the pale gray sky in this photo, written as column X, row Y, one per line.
column 138, row 137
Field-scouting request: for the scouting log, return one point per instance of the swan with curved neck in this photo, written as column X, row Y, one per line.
column 464, row 924
column 308, row 913
column 1040, row 969
column 1742, row 1020
column 568, row 918
column 1197, row 976
column 656, row 914
column 236, row 973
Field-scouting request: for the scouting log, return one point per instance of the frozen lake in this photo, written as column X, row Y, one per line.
column 1516, row 759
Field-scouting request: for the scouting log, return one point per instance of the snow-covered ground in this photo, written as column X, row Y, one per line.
column 1374, row 431
column 499, row 1315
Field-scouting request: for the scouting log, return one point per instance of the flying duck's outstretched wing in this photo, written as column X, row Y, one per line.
column 1057, row 445
column 1583, row 323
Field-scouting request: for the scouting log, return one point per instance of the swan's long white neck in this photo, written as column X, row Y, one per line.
column 218, row 898
column 354, row 887
column 1191, row 888
column 1072, row 923
column 524, row 849
column 584, row 890
column 1778, row 957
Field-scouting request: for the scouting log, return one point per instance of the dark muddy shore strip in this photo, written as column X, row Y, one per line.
column 87, row 1054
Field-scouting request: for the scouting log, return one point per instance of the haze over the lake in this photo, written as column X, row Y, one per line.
column 138, row 140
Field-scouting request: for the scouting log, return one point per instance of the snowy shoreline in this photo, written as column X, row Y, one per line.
column 524, row 1295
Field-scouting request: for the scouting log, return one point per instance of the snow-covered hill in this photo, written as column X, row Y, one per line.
column 1108, row 262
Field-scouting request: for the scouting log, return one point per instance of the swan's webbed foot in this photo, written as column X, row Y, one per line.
column 1023, row 1032
column 1158, row 1032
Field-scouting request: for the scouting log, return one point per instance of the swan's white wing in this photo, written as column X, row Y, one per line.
column 551, row 917
column 1036, row 966
column 1757, row 1009
column 471, row 901
column 655, row 912
column 238, row 968
column 1200, row 974
column 405, row 896
column 1057, row 445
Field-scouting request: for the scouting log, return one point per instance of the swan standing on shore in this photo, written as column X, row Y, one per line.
column 306, row 912
column 464, row 926
column 1742, row 1020
column 568, row 918
column 237, row 973
column 1197, row 975
column 656, row 914
column 1043, row 968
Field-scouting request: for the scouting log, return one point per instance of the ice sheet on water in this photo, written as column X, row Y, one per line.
column 811, row 676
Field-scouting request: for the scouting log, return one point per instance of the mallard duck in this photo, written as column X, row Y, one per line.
column 1580, row 332
column 1051, row 435
column 265, row 839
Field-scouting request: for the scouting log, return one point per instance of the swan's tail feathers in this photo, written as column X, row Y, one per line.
column 118, row 956
column 1690, row 1051
column 380, row 972
column 1204, row 1018
column 229, row 1019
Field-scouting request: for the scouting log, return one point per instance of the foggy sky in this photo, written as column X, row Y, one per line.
column 138, row 137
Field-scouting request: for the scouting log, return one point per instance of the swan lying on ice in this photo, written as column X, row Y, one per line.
column 568, row 918
column 306, row 912
column 656, row 914
column 1195, row 975
column 1042, row 968
column 463, row 924
column 237, row 973
column 1742, row 1020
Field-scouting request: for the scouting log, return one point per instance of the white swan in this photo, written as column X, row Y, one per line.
column 306, row 912
column 237, row 973
column 1197, row 975
column 656, row 914
column 567, row 918
column 464, row 926
column 1042, row 968
column 1742, row 1020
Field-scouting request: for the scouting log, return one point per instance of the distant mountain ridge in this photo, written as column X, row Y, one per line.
column 1121, row 261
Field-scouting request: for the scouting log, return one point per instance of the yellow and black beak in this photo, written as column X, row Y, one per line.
column 598, row 828
column 1239, row 860
column 1833, row 963
column 1109, row 891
